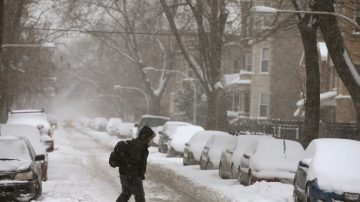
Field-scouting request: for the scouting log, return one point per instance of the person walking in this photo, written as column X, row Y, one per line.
column 132, row 166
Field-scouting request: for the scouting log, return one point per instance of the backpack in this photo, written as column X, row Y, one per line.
column 121, row 154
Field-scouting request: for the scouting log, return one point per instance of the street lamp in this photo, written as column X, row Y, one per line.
column 187, row 78
column 135, row 89
column 269, row 10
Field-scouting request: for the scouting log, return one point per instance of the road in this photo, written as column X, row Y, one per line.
column 79, row 171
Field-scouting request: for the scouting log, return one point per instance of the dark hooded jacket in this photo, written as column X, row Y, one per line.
column 138, row 148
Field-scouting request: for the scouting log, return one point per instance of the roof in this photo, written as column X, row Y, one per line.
column 152, row 116
column 326, row 99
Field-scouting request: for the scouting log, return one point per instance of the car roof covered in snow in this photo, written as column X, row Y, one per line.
column 335, row 163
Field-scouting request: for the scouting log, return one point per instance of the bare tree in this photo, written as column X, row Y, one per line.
column 344, row 66
column 308, row 27
column 210, row 19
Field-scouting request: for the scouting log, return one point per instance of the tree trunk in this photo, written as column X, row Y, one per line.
column 217, row 118
column 335, row 43
column 312, row 98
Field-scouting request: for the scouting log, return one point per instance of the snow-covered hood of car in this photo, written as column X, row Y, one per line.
column 274, row 164
column 14, row 165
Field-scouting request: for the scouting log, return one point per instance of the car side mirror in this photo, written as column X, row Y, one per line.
column 246, row 155
column 229, row 151
column 161, row 133
column 305, row 163
column 136, row 125
column 187, row 144
column 40, row 157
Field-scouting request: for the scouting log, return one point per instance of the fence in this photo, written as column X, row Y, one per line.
column 294, row 130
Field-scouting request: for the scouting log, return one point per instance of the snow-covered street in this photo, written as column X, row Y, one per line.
column 79, row 171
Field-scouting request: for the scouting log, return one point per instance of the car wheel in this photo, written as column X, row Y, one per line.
column 295, row 196
column 186, row 160
column 307, row 194
column 38, row 191
column 171, row 152
column 233, row 172
column 221, row 174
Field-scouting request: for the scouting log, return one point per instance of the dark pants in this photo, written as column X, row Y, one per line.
column 131, row 185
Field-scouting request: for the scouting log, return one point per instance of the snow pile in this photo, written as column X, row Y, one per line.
column 335, row 164
column 99, row 123
column 124, row 129
column 112, row 125
column 182, row 135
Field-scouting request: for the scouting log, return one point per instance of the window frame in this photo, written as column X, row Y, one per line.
column 260, row 104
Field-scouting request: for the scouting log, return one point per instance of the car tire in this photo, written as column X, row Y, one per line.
column 171, row 152
column 221, row 173
column 307, row 194
column 38, row 190
column 295, row 196
column 202, row 164
column 233, row 172
column 185, row 161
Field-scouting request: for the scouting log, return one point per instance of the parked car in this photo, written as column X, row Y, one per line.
column 194, row 147
column 124, row 130
column 112, row 126
column 52, row 121
column 20, row 174
column 230, row 157
column 36, row 118
column 330, row 171
column 211, row 154
column 151, row 121
column 99, row 124
column 34, row 137
column 272, row 160
column 176, row 143
column 167, row 132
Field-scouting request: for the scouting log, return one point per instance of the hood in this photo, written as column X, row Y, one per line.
column 14, row 165
column 146, row 134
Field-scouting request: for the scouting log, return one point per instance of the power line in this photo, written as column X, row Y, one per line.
column 106, row 32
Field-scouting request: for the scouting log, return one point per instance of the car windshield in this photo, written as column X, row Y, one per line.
column 14, row 149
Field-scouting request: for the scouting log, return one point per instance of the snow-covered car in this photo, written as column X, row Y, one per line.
column 230, row 157
column 330, row 171
column 273, row 160
column 99, row 124
column 124, row 130
column 194, row 147
column 36, row 118
column 211, row 154
column 176, row 143
column 52, row 121
column 112, row 126
column 167, row 132
column 151, row 121
column 34, row 137
column 20, row 174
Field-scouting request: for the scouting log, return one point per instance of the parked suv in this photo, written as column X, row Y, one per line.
column 37, row 119
column 154, row 122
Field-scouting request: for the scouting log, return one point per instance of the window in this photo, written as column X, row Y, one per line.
column 248, row 62
column 263, row 108
column 247, row 102
column 264, row 60
column 236, row 68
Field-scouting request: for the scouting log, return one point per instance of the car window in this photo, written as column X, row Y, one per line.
column 152, row 122
column 14, row 149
